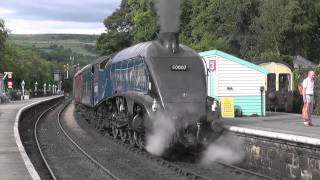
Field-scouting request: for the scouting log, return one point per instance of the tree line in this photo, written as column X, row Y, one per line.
column 24, row 63
column 256, row 30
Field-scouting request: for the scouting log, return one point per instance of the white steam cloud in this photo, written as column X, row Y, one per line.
column 226, row 149
column 169, row 14
column 159, row 139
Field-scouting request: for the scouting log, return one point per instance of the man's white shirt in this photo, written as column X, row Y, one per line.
column 308, row 84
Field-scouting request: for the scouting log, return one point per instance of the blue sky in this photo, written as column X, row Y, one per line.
column 56, row 16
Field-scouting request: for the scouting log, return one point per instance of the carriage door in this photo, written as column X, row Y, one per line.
column 271, row 91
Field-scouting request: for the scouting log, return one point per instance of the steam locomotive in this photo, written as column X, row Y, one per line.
column 128, row 92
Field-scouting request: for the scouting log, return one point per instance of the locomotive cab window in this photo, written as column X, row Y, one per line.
column 103, row 64
column 271, row 82
column 284, row 82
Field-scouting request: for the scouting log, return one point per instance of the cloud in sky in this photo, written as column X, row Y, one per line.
column 59, row 16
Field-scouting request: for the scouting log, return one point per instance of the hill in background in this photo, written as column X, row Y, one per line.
column 59, row 47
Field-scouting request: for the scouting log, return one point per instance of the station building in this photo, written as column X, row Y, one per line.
column 238, row 84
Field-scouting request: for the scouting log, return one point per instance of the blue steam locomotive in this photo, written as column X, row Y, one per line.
column 131, row 92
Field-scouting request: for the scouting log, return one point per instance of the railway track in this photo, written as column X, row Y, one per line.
column 196, row 172
column 53, row 174
column 191, row 174
column 38, row 143
column 166, row 169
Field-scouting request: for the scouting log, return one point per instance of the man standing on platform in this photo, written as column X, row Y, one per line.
column 308, row 98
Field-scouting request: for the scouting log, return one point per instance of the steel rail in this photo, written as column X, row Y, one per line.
column 81, row 149
column 38, row 143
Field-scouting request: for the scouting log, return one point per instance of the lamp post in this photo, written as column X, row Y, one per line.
column 60, row 86
column 22, row 86
column 66, row 68
column 36, row 88
column 53, row 89
column 49, row 88
column 44, row 89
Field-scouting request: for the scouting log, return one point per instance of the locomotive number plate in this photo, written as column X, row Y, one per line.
column 179, row 67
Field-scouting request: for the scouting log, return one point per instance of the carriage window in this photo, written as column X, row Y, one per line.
column 271, row 82
column 284, row 82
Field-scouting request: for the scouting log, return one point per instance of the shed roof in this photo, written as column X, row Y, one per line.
column 234, row 59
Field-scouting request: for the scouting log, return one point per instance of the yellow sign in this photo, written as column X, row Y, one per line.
column 227, row 107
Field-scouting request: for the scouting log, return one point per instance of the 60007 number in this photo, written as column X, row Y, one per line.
column 179, row 67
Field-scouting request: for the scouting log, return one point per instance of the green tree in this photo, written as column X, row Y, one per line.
column 235, row 20
column 302, row 36
column 112, row 42
column 204, row 24
column 144, row 20
column 118, row 27
column 3, row 38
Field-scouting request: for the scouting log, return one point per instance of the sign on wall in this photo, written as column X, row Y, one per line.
column 1, row 82
column 10, row 80
column 212, row 65
column 227, row 107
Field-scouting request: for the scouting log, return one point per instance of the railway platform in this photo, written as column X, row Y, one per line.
column 283, row 126
column 14, row 162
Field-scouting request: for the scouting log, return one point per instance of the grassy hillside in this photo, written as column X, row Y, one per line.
column 78, row 43
column 59, row 47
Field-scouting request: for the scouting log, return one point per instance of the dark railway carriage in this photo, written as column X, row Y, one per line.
column 129, row 89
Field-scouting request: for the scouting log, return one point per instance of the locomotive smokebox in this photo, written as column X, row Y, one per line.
column 170, row 40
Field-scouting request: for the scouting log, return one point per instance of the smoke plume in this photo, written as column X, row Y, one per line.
column 159, row 139
column 169, row 14
column 227, row 149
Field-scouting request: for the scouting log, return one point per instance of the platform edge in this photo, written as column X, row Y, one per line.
column 275, row 135
column 32, row 171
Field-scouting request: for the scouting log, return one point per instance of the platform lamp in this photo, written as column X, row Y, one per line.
column 36, row 88
column 53, row 89
column 49, row 88
column 44, row 89
column 22, row 86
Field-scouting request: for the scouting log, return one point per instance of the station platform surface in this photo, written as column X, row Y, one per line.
column 12, row 161
column 286, row 126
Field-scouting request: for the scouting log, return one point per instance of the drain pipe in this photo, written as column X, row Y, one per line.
column 261, row 92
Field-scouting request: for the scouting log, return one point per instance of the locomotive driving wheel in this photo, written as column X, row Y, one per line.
column 131, row 138
column 139, row 139
column 115, row 132
column 123, row 134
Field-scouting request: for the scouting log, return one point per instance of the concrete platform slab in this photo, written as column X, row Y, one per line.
column 284, row 126
column 12, row 162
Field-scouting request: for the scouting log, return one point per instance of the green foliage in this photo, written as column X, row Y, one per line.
column 134, row 22
column 112, row 42
column 256, row 30
column 24, row 63
column 3, row 38
column 27, row 66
